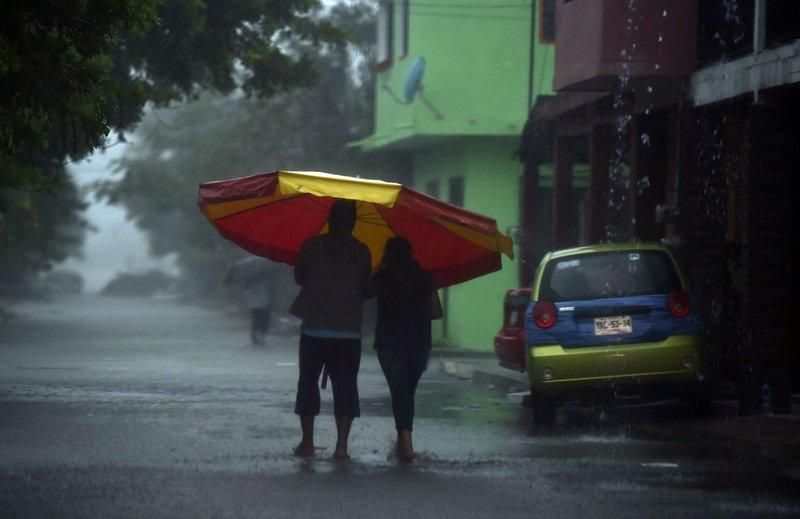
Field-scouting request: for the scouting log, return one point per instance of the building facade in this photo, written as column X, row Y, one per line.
column 454, row 83
column 687, row 112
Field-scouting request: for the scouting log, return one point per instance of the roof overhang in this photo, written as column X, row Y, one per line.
column 766, row 69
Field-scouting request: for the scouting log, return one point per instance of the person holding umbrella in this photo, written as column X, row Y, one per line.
column 273, row 214
column 407, row 301
column 333, row 271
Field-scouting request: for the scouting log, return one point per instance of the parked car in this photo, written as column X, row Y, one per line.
column 509, row 342
column 612, row 316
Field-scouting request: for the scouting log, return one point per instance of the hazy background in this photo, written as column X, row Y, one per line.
column 114, row 244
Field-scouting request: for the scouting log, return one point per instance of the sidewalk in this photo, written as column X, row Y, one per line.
column 772, row 438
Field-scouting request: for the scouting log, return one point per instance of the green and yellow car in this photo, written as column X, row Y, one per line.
column 610, row 317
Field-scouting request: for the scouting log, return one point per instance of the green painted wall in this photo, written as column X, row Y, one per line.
column 491, row 186
column 477, row 73
column 481, row 72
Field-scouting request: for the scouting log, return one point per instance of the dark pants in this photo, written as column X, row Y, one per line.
column 342, row 358
column 403, row 370
column 260, row 320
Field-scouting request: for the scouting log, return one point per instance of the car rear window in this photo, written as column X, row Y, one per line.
column 608, row 274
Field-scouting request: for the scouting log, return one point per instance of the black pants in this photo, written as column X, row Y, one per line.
column 342, row 358
column 260, row 320
column 403, row 370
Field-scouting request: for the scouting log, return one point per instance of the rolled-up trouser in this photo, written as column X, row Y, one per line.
column 403, row 370
column 342, row 358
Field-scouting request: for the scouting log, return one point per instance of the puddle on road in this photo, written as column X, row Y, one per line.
column 660, row 465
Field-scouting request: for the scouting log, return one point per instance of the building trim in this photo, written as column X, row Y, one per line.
column 754, row 72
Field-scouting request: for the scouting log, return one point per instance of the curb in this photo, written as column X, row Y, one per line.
column 450, row 353
column 498, row 377
column 510, row 380
column 458, row 370
column 779, row 452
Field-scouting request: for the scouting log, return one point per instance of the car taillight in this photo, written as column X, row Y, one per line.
column 544, row 314
column 679, row 303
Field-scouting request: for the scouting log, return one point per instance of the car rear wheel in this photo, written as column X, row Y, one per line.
column 544, row 410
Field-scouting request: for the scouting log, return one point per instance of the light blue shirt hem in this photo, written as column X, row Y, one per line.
column 328, row 334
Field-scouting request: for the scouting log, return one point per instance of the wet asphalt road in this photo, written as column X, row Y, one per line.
column 146, row 408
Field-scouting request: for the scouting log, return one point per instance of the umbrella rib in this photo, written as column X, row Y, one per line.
column 376, row 222
column 314, row 205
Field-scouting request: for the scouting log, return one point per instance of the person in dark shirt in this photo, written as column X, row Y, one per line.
column 407, row 301
column 333, row 272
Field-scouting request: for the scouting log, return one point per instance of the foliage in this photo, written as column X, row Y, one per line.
column 71, row 71
column 143, row 284
column 74, row 71
column 62, row 281
column 37, row 230
column 219, row 137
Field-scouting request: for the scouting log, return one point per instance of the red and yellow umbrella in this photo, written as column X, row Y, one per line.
column 272, row 214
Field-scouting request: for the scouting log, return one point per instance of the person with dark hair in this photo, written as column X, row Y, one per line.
column 407, row 301
column 333, row 272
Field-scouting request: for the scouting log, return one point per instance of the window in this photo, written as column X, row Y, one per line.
column 608, row 274
column 404, row 18
column 456, row 191
column 783, row 21
column 547, row 21
column 385, row 34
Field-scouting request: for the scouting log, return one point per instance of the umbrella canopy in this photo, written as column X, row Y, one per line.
column 272, row 214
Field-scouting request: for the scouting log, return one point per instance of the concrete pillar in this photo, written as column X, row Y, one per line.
column 767, row 239
column 530, row 227
column 601, row 144
column 563, row 199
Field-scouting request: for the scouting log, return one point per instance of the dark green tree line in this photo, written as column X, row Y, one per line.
column 75, row 75
column 225, row 136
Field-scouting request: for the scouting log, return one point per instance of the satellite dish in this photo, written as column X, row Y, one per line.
column 413, row 87
column 413, row 83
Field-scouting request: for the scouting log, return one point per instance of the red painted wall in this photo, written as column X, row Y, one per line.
column 599, row 40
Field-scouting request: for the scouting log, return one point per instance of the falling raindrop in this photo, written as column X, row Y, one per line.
column 645, row 138
column 664, row 14
column 657, row 66
column 649, row 90
column 660, row 38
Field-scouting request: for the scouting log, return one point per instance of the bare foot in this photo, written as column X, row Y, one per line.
column 341, row 453
column 405, row 449
column 304, row 450
column 405, row 454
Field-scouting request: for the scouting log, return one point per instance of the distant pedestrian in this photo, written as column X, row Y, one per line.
column 333, row 271
column 259, row 301
column 407, row 301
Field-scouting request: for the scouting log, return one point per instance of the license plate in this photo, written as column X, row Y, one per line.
column 613, row 325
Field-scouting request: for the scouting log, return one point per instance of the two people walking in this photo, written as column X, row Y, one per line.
column 334, row 274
